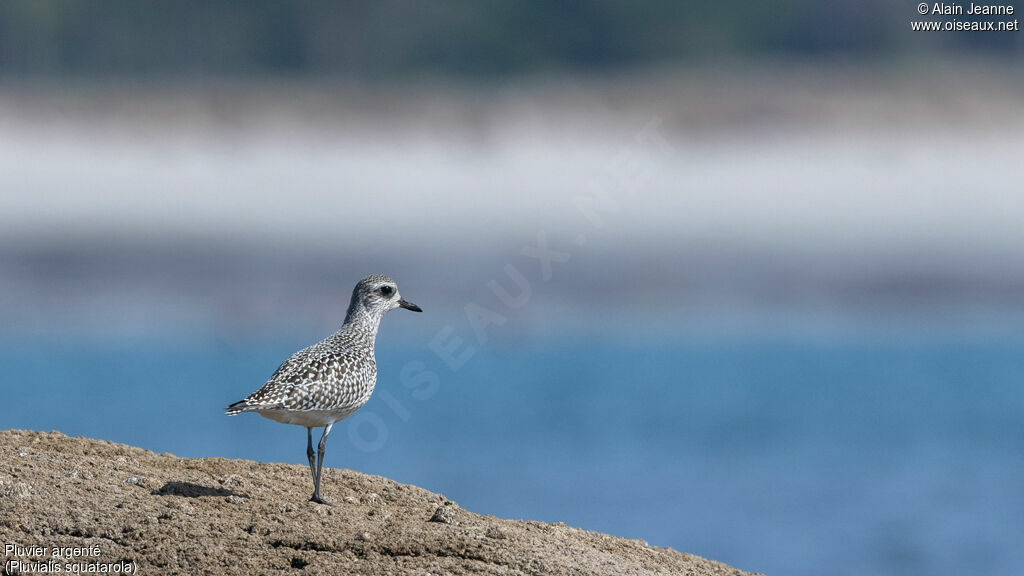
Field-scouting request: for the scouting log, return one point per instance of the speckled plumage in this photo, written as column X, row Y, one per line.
column 330, row 380
column 321, row 384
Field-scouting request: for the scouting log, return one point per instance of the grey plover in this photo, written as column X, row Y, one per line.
column 330, row 380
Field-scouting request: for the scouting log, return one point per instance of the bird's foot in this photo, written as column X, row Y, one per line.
column 319, row 500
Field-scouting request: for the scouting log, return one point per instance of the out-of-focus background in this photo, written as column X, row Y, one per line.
column 743, row 279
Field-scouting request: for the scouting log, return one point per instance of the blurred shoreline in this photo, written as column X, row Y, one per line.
column 839, row 194
column 711, row 95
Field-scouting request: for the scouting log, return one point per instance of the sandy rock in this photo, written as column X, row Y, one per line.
column 444, row 514
column 20, row 490
column 218, row 516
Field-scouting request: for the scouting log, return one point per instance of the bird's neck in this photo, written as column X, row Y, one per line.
column 360, row 321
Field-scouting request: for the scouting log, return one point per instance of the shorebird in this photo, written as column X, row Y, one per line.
column 330, row 380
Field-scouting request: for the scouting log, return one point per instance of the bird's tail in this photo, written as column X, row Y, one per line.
column 239, row 407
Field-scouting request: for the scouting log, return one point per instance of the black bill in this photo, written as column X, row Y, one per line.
column 409, row 305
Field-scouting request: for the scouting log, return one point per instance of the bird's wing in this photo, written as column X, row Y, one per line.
column 275, row 392
column 309, row 381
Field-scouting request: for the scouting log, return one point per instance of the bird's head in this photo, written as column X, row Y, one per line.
column 374, row 296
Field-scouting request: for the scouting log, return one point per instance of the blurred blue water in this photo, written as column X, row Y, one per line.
column 776, row 455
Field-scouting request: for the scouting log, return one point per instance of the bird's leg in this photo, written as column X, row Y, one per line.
column 320, row 467
column 310, row 454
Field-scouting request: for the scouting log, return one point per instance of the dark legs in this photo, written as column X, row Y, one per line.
column 310, row 454
column 319, row 464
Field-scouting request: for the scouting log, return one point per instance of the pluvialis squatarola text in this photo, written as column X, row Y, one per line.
column 330, row 380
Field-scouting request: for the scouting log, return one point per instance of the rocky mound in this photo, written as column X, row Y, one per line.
column 77, row 505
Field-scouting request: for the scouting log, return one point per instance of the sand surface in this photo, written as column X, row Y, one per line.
column 78, row 504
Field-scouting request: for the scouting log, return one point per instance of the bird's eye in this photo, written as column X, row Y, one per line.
column 387, row 290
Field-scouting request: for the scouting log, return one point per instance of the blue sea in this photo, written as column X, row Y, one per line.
column 869, row 455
